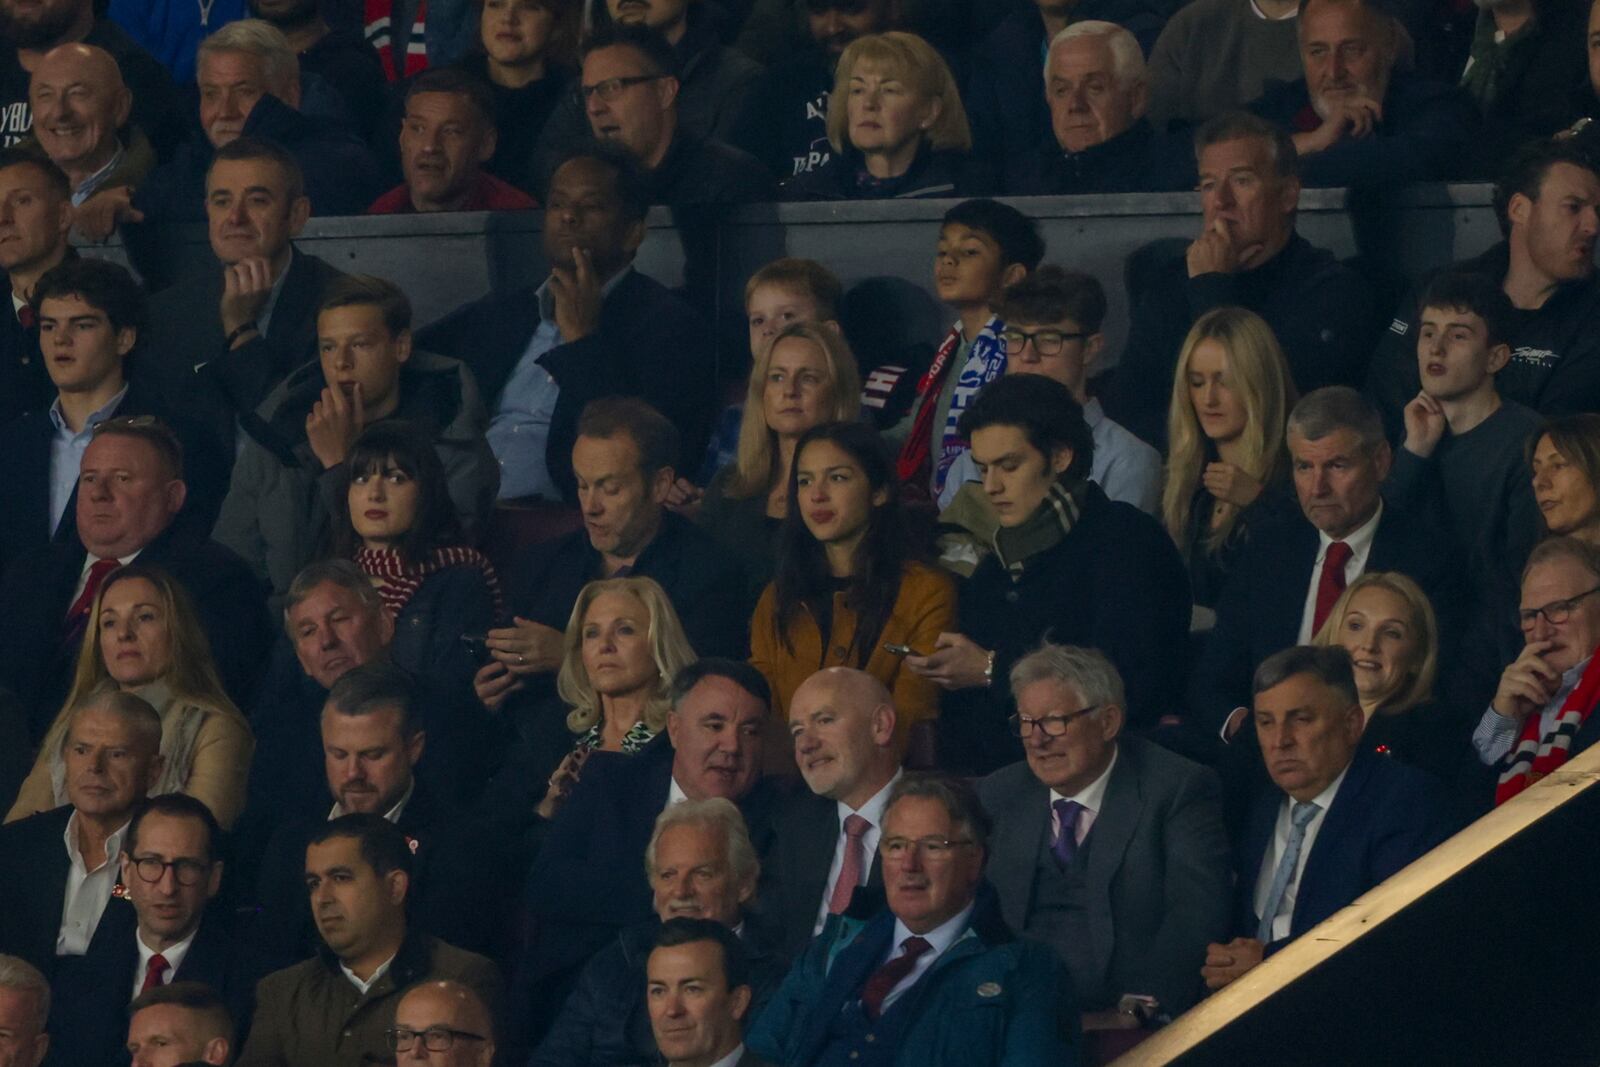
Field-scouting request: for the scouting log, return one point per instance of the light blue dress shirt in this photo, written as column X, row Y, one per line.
column 66, row 453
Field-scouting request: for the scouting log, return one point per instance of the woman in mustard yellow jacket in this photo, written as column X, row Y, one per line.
column 847, row 585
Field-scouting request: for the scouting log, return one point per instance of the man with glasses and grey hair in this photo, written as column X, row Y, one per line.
column 897, row 985
column 1107, row 848
column 24, row 1007
column 1543, row 710
column 164, row 931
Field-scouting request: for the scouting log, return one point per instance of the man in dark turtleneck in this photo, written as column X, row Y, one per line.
column 1096, row 88
column 1248, row 255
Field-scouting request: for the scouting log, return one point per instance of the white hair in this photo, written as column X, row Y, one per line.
column 1127, row 59
column 18, row 974
column 280, row 65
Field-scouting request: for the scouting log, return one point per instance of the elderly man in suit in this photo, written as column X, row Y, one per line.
column 1107, row 848
column 163, row 932
column 63, row 863
column 337, row 1008
column 700, row 995
column 825, row 840
column 1338, row 819
column 910, row 984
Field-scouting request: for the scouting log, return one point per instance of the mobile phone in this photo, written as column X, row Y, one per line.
column 901, row 650
column 478, row 645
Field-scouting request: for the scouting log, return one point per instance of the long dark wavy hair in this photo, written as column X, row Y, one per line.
column 802, row 580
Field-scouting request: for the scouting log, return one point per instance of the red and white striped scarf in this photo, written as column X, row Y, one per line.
column 1535, row 756
column 399, row 581
column 378, row 17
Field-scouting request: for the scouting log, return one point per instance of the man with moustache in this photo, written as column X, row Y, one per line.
column 701, row 867
column 786, row 124
column 1358, row 116
column 30, row 29
column 338, row 1007
column 1548, row 204
column 825, row 841
column 65, row 861
column 883, row 985
column 584, row 887
column 1248, row 255
column 595, row 327
column 164, row 932
column 372, row 741
column 35, row 218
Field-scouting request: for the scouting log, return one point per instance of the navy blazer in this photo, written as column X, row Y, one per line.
column 794, row 875
column 89, row 1011
column 1385, row 815
column 32, row 894
column 1265, row 595
column 650, row 344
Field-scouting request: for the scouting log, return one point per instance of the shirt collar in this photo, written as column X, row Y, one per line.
column 1359, row 539
column 941, row 937
column 173, row 954
column 1324, row 799
column 1093, row 413
column 872, row 810
column 1093, row 795
column 364, row 987
column 732, row 1058
column 675, row 793
column 392, row 815
column 113, row 843
column 547, row 300
column 91, row 185
column 99, row 415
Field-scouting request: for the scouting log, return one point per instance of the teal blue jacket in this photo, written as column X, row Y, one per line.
column 990, row 999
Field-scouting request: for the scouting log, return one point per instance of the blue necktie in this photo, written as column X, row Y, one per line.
column 1065, row 846
column 1300, row 816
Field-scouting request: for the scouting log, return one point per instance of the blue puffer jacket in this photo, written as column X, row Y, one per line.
column 990, row 999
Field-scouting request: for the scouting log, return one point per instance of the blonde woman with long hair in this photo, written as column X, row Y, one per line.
column 804, row 377
column 144, row 638
column 622, row 648
column 1227, row 468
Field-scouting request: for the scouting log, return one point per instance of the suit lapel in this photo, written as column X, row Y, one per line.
column 813, row 856
column 1253, row 853
column 1323, row 864
column 1120, row 810
column 1289, row 601
column 850, row 970
column 1020, row 833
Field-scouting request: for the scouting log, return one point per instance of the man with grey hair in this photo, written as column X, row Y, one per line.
column 1107, row 848
column 897, row 984
column 24, row 1007
column 250, row 86
column 701, row 865
column 1358, row 115
column 849, row 744
column 64, row 867
column 1248, row 255
column 1287, row 580
column 1096, row 89
column 1338, row 818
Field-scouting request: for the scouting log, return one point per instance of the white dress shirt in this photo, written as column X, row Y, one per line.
column 732, row 1058
column 1091, row 797
column 383, row 969
column 391, row 816
column 89, row 560
column 675, row 794
column 872, row 811
column 173, row 954
column 940, row 938
column 1280, row 841
column 88, row 891
column 1360, row 542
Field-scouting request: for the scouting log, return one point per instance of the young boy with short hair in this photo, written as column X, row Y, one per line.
column 1053, row 319
column 984, row 246
column 1464, row 456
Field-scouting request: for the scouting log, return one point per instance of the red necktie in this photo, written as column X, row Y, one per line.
column 153, row 973
column 885, row 978
column 78, row 614
column 1332, row 582
column 26, row 316
column 850, row 869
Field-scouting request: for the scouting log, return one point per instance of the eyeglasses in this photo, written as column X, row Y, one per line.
column 1052, row 725
column 934, row 848
column 187, row 872
column 611, row 88
column 1045, row 342
column 434, row 1038
column 1555, row 613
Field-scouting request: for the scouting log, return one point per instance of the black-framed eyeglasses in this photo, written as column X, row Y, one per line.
column 1555, row 613
column 1045, row 342
column 611, row 88
column 187, row 872
column 434, row 1038
column 934, row 848
column 1052, row 725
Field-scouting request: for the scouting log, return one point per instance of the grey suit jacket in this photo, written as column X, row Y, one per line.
column 1159, row 878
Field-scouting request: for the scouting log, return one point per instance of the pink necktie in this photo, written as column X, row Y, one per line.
column 855, row 827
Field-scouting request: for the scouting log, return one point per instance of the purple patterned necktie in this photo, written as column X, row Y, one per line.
column 1065, row 846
